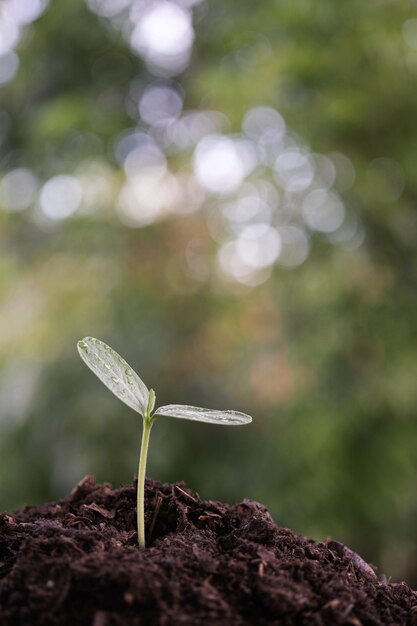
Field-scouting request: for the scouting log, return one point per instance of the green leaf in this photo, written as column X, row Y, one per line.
column 182, row 411
column 115, row 373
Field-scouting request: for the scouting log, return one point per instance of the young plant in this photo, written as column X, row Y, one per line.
column 123, row 381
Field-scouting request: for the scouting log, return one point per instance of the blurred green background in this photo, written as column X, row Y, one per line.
column 225, row 192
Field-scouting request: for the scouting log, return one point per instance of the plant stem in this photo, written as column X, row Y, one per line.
column 147, row 425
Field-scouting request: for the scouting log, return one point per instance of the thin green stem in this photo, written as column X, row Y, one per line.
column 147, row 425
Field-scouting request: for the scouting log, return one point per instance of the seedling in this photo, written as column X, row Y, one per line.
column 123, row 381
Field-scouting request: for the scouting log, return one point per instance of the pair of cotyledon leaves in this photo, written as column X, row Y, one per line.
column 123, row 381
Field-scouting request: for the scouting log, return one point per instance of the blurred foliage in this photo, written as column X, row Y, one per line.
column 322, row 355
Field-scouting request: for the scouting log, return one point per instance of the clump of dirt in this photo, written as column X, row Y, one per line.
column 76, row 562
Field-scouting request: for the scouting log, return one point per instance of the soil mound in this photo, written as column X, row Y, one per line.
column 76, row 562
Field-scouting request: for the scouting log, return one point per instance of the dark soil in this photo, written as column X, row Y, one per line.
column 76, row 562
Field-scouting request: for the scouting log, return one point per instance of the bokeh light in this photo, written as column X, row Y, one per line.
column 323, row 211
column 60, row 197
column 160, row 104
column 222, row 163
column 14, row 15
column 18, row 189
column 163, row 35
column 269, row 189
column 261, row 179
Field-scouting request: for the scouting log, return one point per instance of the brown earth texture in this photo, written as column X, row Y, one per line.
column 76, row 562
